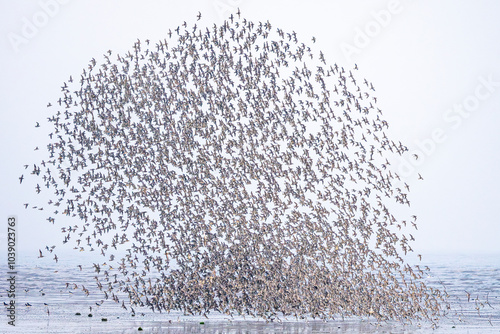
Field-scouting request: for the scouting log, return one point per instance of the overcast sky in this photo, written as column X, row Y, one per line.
column 435, row 68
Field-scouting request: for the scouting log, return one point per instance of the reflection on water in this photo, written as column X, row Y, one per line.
column 473, row 283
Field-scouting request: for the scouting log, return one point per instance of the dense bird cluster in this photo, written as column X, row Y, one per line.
column 240, row 173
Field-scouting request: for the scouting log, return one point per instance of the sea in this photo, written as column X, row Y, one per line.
column 48, row 301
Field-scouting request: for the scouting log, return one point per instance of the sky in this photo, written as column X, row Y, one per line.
column 434, row 66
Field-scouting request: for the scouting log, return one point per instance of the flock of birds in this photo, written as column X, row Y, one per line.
column 240, row 173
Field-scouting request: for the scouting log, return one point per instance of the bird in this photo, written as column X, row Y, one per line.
column 21, row 179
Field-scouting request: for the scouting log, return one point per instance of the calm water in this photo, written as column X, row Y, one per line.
column 42, row 281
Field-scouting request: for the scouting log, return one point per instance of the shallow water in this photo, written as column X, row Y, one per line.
column 473, row 283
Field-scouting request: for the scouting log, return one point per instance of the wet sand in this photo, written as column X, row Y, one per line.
column 39, row 283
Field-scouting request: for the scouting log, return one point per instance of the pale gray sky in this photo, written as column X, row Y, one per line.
column 434, row 66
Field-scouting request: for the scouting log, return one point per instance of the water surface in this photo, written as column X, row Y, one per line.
column 472, row 281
